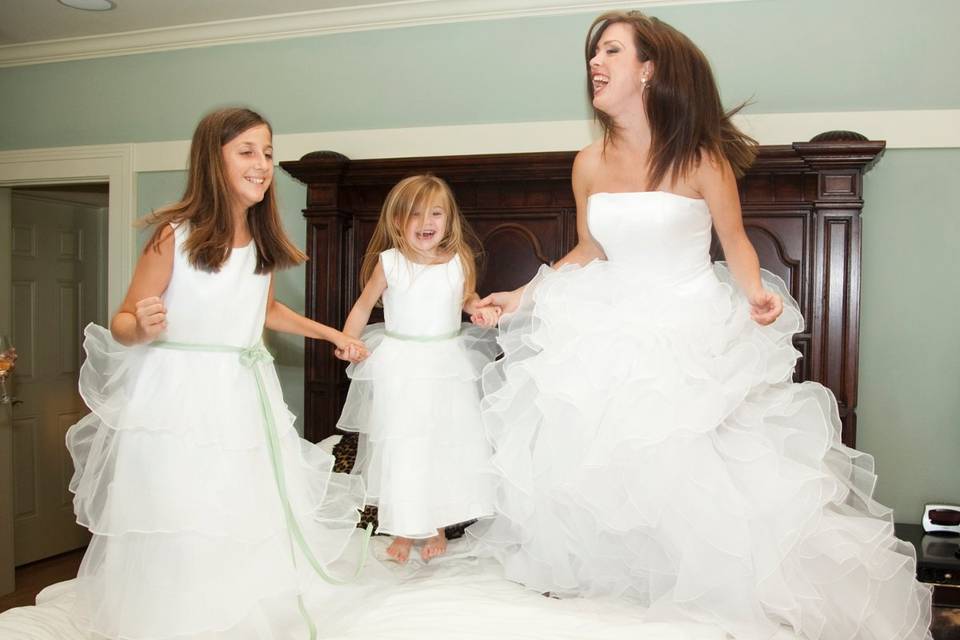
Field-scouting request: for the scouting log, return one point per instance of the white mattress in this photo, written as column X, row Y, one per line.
column 459, row 598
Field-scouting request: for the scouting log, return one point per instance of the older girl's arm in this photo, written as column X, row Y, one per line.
column 284, row 319
column 142, row 315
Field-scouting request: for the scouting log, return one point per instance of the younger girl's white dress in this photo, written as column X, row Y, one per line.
column 416, row 403
column 650, row 444
column 210, row 516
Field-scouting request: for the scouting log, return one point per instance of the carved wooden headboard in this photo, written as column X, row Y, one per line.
column 801, row 204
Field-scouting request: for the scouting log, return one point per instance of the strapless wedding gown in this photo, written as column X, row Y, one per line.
column 651, row 444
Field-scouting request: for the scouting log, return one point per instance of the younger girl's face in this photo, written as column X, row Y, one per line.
column 425, row 229
column 248, row 165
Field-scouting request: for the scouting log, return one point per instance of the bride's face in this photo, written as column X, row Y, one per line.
column 615, row 72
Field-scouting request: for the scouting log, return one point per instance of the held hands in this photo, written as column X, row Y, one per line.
column 487, row 316
column 348, row 348
column 765, row 307
column 151, row 318
column 507, row 301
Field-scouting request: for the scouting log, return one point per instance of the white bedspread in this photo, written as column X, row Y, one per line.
column 457, row 599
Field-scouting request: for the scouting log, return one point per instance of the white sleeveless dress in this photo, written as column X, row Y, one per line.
column 416, row 403
column 650, row 444
column 209, row 514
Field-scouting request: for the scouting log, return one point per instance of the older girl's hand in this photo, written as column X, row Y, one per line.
column 151, row 318
column 765, row 307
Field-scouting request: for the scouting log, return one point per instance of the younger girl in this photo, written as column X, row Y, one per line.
column 416, row 400
column 210, row 515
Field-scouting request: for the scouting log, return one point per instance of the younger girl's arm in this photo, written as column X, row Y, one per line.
column 360, row 313
column 587, row 249
column 142, row 316
column 282, row 318
column 718, row 186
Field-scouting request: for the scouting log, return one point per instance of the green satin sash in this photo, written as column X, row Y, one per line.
column 251, row 357
column 401, row 336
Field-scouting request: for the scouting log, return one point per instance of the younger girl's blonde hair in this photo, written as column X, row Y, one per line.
column 421, row 193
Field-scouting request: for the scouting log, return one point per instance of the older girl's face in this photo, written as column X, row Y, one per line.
column 615, row 72
column 248, row 165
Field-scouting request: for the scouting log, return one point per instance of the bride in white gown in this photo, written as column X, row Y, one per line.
column 649, row 441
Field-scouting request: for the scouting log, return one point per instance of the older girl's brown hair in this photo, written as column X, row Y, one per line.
column 420, row 193
column 206, row 207
column 681, row 101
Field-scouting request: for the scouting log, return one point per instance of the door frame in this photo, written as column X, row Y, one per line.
column 7, row 575
column 113, row 164
column 96, row 163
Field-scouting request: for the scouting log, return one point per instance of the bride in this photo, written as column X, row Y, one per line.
column 649, row 440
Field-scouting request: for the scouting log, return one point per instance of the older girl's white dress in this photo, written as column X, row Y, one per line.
column 650, row 444
column 210, row 516
column 416, row 403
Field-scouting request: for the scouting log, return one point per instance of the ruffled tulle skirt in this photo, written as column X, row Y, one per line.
column 177, row 475
column 422, row 449
column 650, row 444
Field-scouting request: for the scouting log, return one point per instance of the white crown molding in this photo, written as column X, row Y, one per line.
column 900, row 129
column 309, row 23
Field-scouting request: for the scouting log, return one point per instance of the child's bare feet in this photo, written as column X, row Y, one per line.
column 399, row 549
column 435, row 546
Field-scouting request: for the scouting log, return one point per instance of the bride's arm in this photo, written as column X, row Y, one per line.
column 586, row 249
column 718, row 186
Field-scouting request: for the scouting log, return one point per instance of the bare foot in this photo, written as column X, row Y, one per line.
column 399, row 549
column 435, row 546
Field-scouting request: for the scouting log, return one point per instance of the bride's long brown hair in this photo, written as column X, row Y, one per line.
column 681, row 100
column 205, row 204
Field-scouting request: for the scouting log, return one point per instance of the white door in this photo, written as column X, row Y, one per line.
column 57, row 288
column 6, row 430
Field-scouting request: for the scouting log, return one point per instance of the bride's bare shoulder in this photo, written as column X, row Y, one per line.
column 588, row 161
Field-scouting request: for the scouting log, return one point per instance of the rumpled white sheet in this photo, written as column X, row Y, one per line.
column 458, row 598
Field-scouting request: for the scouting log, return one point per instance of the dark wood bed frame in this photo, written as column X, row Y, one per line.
column 802, row 206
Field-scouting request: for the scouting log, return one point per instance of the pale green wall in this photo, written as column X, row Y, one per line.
column 788, row 55
column 909, row 415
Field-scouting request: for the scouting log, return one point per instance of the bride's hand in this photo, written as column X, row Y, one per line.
column 765, row 307
column 508, row 301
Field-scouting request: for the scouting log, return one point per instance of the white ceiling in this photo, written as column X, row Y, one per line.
column 32, row 20
column 23, row 21
column 39, row 31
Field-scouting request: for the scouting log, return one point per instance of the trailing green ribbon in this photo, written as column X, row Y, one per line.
column 250, row 357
